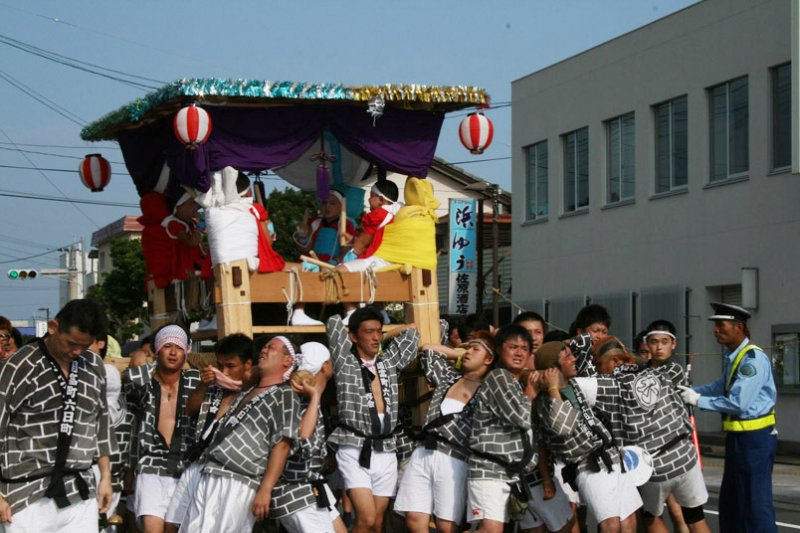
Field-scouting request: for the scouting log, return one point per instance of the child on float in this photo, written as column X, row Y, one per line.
column 384, row 205
column 321, row 235
column 434, row 481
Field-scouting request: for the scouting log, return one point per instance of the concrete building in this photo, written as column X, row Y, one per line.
column 653, row 174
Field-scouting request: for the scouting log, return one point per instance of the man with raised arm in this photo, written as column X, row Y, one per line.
column 248, row 453
column 367, row 395
column 166, row 431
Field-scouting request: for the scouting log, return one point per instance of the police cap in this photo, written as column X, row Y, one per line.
column 729, row 312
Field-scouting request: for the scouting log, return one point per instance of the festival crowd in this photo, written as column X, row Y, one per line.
column 525, row 429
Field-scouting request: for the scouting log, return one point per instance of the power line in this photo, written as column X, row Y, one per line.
column 77, row 64
column 29, row 196
column 499, row 105
column 451, row 163
column 51, row 154
column 69, row 146
column 42, row 99
column 17, row 167
column 25, row 258
column 46, row 177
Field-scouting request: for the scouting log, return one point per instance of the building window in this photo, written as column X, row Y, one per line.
column 621, row 172
column 781, row 116
column 537, row 181
column 672, row 147
column 729, row 120
column 786, row 355
column 576, row 170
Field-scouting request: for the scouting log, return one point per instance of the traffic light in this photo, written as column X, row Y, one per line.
column 21, row 273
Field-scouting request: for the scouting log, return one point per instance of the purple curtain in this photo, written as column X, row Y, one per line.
column 256, row 139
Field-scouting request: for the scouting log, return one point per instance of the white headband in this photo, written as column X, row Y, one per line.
column 296, row 359
column 660, row 332
column 374, row 190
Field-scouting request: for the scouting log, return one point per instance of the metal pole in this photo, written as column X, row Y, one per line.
column 481, row 282
column 495, row 274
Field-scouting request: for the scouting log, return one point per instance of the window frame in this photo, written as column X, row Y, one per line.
column 565, row 143
column 673, row 187
column 532, row 185
column 621, row 160
column 729, row 177
column 773, row 72
column 777, row 357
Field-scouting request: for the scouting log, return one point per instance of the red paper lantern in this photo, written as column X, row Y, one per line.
column 476, row 132
column 192, row 126
column 95, row 171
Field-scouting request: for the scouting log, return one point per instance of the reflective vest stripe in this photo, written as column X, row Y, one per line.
column 729, row 422
column 752, row 424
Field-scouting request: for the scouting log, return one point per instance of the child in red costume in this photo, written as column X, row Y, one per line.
column 157, row 247
column 189, row 253
column 383, row 207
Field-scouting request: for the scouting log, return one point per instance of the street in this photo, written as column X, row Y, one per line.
column 785, row 486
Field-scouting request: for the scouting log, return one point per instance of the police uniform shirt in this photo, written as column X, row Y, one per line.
column 240, row 450
column 144, row 392
column 502, row 420
column 30, row 417
column 752, row 393
column 351, row 398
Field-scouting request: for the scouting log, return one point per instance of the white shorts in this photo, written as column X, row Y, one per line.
column 43, row 516
column 311, row 518
column 221, row 505
column 608, row 494
column 381, row 478
column 689, row 490
column 488, row 499
column 184, row 491
column 433, row 483
column 553, row 513
column 572, row 495
column 332, row 510
column 153, row 494
column 359, row 265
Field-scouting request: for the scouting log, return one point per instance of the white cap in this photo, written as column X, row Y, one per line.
column 314, row 356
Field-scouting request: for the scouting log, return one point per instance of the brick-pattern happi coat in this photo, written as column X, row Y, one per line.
column 30, row 416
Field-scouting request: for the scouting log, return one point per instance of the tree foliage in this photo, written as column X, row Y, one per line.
column 122, row 289
column 286, row 210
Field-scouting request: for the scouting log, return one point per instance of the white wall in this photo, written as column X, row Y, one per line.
column 699, row 239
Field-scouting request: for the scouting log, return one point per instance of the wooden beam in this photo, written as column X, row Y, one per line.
column 391, row 287
column 423, row 307
column 232, row 288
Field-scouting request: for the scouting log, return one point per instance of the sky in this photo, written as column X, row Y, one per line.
column 355, row 42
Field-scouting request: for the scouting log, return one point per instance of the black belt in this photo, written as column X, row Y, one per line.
column 60, row 499
column 318, row 487
column 365, row 457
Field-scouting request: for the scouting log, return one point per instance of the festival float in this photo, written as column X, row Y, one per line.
column 193, row 138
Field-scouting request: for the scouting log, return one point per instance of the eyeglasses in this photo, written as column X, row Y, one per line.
column 5, row 335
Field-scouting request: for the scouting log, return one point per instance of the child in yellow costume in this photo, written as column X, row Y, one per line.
column 411, row 238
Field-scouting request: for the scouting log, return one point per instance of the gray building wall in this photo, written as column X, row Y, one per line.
column 697, row 240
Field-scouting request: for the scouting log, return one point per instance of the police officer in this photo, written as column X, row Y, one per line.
column 745, row 396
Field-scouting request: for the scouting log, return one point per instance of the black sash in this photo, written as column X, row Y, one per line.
column 69, row 391
column 380, row 431
column 233, row 417
column 174, row 452
column 210, row 425
column 599, row 457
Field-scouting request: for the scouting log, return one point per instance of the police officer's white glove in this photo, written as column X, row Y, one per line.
column 688, row 395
